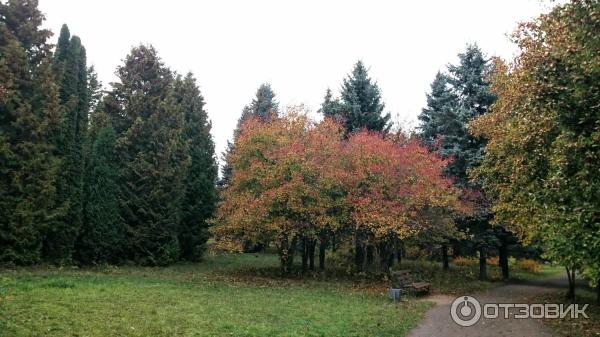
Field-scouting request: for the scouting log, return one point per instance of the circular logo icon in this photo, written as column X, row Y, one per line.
column 465, row 311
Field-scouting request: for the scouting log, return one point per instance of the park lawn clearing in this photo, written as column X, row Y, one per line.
column 188, row 300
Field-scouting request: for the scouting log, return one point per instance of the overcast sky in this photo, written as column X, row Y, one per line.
column 300, row 47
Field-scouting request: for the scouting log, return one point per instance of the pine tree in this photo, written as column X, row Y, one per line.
column 361, row 102
column 153, row 155
column 263, row 106
column 200, row 199
column 70, row 64
column 102, row 236
column 30, row 116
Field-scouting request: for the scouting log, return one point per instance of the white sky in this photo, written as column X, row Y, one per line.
column 300, row 47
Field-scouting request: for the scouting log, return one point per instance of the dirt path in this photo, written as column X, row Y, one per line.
column 439, row 323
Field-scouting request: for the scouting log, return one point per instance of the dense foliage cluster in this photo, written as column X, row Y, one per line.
column 542, row 159
column 125, row 177
column 296, row 182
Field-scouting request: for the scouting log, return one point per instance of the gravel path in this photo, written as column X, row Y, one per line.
column 439, row 323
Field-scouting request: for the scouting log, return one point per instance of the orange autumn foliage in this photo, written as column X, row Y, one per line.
column 296, row 179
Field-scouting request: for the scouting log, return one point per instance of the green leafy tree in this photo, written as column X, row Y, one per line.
column 30, row 116
column 200, row 198
column 70, row 64
column 362, row 107
column 153, row 155
column 541, row 164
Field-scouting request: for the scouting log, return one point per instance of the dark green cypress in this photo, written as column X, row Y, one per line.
column 102, row 236
column 201, row 196
column 30, row 116
column 153, row 155
column 70, row 65
column 362, row 107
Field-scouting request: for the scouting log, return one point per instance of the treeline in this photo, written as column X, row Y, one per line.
column 91, row 176
column 351, row 183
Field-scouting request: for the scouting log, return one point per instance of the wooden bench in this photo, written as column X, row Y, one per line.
column 406, row 281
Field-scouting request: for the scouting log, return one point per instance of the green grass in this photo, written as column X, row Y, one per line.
column 223, row 296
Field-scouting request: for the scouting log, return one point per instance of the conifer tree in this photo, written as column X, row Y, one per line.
column 70, row 65
column 439, row 121
column 456, row 98
column 200, row 184
column 102, row 236
column 30, row 116
column 331, row 107
column 362, row 107
column 154, row 156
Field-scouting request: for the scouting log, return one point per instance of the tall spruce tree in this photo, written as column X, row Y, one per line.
column 200, row 198
column 30, row 116
column 440, row 125
column 362, row 107
column 264, row 106
column 153, row 155
column 70, row 65
column 455, row 99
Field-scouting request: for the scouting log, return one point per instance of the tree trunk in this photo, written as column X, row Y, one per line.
column 456, row 248
column 503, row 260
column 287, row 258
column 370, row 255
column 386, row 256
column 482, row 264
column 322, row 248
column 358, row 255
column 304, row 255
column 445, row 265
column 311, row 254
column 571, row 276
column 598, row 292
column 399, row 251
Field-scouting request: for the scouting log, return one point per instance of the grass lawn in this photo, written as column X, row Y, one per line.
column 213, row 298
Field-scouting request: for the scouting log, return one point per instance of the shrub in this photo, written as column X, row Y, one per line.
column 529, row 265
column 465, row 261
column 494, row 260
